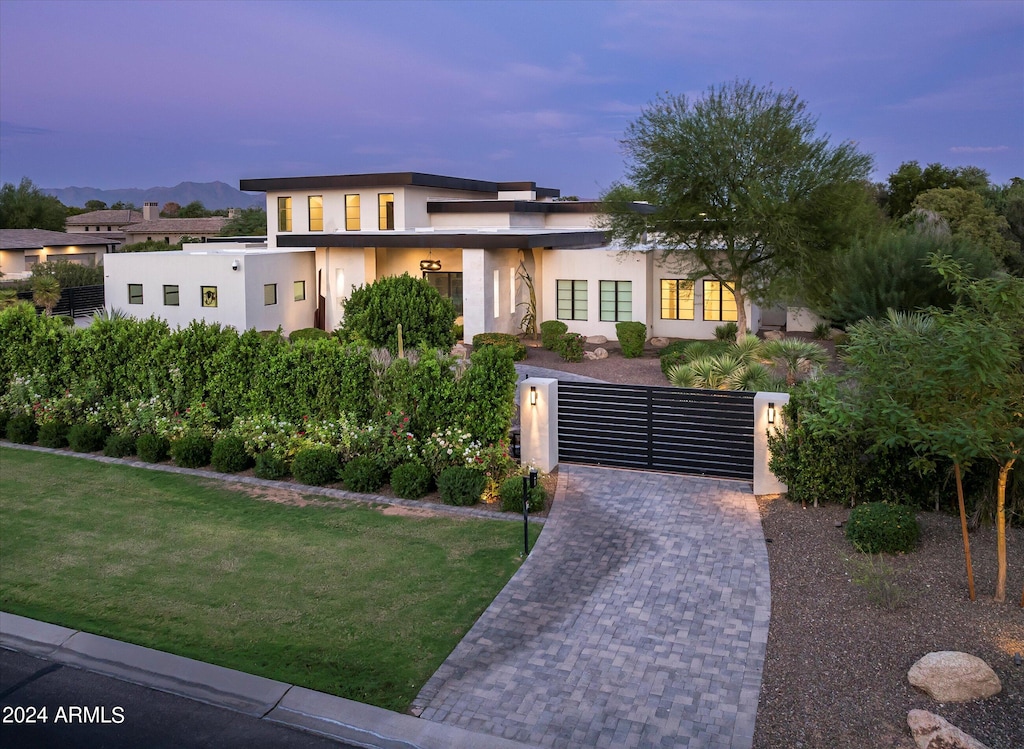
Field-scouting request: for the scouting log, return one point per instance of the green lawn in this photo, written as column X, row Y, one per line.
column 337, row 598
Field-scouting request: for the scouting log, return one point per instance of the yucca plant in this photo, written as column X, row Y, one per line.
column 797, row 357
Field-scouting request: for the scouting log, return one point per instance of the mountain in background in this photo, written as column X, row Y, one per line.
column 213, row 195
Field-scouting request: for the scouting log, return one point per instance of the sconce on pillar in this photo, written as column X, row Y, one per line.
column 533, row 395
column 771, row 413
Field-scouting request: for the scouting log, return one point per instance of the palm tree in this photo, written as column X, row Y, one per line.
column 797, row 357
column 46, row 292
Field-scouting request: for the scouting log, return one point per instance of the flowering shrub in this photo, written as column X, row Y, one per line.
column 451, row 447
column 389, row 441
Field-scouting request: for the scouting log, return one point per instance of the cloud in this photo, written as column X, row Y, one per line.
column 991, row 93
column 257, row 142
column 978, row 149
column 11, row 128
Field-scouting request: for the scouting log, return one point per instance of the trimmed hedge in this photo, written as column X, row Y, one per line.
column 87, row 438
column 53, row 434
column 570, row 346
column 270, row 467
column 152, row 448
column 511, row 494
column 192, row 451
column 362, row 474
column 307, row 334
column 461, row 486
column 229, row 455
column 411, row 480
column 882, row 528
column 22, row 429
column 119, row 446
column 316, row 466
column 505, row 341
column 550, row 332
column 632, row 336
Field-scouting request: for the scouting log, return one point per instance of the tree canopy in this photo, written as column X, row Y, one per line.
column 743, row 188
column 910, row 180
column 248, row 222
column 26, row 207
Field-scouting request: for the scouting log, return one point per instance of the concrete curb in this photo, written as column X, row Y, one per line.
column 297, row 707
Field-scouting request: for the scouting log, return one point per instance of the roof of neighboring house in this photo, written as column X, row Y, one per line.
column 210, row 225
column 118, row 217
column 393, row 179
column 36, row 239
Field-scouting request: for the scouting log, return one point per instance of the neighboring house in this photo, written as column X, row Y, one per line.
column 20, row 249
column 110, row 223
column 152, row 228
column 469, row 239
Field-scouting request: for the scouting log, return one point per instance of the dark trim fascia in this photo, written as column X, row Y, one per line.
column 512, row 206
column 448, row 240
column 383, row 179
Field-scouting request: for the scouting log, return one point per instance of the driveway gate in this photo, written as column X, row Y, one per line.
column 706, row 432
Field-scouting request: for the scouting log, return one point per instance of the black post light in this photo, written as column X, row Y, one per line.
column 529, row 482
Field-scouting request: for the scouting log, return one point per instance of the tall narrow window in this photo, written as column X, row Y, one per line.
column 135, row 293
column 386, row 210
column 284, row 214
column 171, row 295
column 269, row 294
column 448, row 285
column 719, row 302
column 572, row 300
column 299, row 291
column 616, row 301
column 676, row 299
column 316, row 212
column 351, row 213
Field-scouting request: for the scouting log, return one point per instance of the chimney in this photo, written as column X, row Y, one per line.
column 233, row 212
column 150, row 211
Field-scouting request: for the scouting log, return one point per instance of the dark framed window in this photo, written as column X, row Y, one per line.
column 135, row 293
column 448, row 285
column 209, row 296
column 676, row 299
column 572, row 300
column 351, row 213
column 719, row 302
column 269, row 294
column 284, row 214
column 386, row 210
column 616, row 301
column 171, row 295
column 299, row 290
column 316, row 212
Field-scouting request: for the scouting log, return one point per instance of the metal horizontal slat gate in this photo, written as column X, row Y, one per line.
column 705, row 432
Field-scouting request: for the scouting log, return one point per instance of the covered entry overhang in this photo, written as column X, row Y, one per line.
column 497, row 239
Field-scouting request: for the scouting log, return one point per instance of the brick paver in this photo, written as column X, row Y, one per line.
column 639, row 620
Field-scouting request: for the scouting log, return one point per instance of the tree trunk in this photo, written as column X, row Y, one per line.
column 741, row 312
column 963, row 528
column 1004, row 470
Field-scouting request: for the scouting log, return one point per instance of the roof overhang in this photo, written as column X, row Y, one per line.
column 390, row 179
column 482, row 240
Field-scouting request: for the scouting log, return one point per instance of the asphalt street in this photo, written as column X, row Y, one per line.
column 84, row 709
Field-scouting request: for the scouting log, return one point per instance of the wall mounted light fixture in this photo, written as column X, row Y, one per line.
column 533, row 395
column 771, row 413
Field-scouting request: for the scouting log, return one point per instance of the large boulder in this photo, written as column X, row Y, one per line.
column 931, row 731
column 659, row 342
column 598, row 353
column 949, row 676
column 597, row 339
column 774, row 335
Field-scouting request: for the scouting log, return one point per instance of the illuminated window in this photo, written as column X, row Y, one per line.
column 351, row 213
column 572, row 300
column 386, row 211
column 616, row 301
column 269, row 294
column 719, row 302
column 299, row 290
column 284, row 214
column 135, row 293
column 676, row 299
column 171, row 296
column 316, row 212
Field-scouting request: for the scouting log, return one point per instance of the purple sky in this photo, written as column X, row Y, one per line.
column 143, row 94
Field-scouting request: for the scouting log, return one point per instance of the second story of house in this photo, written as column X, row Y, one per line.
column 412, row 202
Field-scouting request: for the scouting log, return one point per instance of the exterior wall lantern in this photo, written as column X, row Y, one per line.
column 533, row 395
column 771, row 413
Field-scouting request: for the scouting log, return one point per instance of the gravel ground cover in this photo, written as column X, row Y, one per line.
column 838, row 652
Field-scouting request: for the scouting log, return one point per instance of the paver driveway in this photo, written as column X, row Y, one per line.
column 639, row 620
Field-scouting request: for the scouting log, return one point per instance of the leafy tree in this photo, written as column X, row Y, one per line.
column 170, row 209
column 46, row 292
column 195, row 209
column 249, row 222
column 743, row 188
column 948, row 384
column 152, row 245
column 1008, row 201
column 890, row 271
column 374, row 311
column 95, row 205
column 69, row 275
column 123, row 206
column 968, row 217
column 910, row 180
column 26, row 207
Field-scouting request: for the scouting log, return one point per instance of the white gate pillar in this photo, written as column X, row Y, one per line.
column 767, row 416
column 538, row 422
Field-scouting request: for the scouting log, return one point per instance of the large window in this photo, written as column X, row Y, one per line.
column 719, row 303
column 135, row 293
column 616, row 301
column 299, row 290
column 316, row 212
column 284, row 214
column 269, row 294
column 170, row 295
column 386, row 210
column 572, row 300
column 448, row 285
column 676, row 299
column 351, row 213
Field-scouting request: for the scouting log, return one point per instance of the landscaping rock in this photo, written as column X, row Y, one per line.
column 774, row 335
column 659, row 342
column 597, row 339
column 931, row 731
column 949, row 676
column 459, row 351
column 598, row 353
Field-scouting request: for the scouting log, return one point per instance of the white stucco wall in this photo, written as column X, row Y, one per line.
column 240, row 299
column 801, row 320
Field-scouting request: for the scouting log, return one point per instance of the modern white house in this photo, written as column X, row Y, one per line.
column 473, row 240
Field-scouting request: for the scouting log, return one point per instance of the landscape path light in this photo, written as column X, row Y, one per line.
column 529, row 482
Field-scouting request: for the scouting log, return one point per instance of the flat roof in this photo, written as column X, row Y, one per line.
column 484, row 239
column 392, row 179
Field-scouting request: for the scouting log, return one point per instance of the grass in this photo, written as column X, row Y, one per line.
column 340, row 599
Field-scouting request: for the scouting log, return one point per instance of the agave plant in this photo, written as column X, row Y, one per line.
column 797, row 357
column 109, row 314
